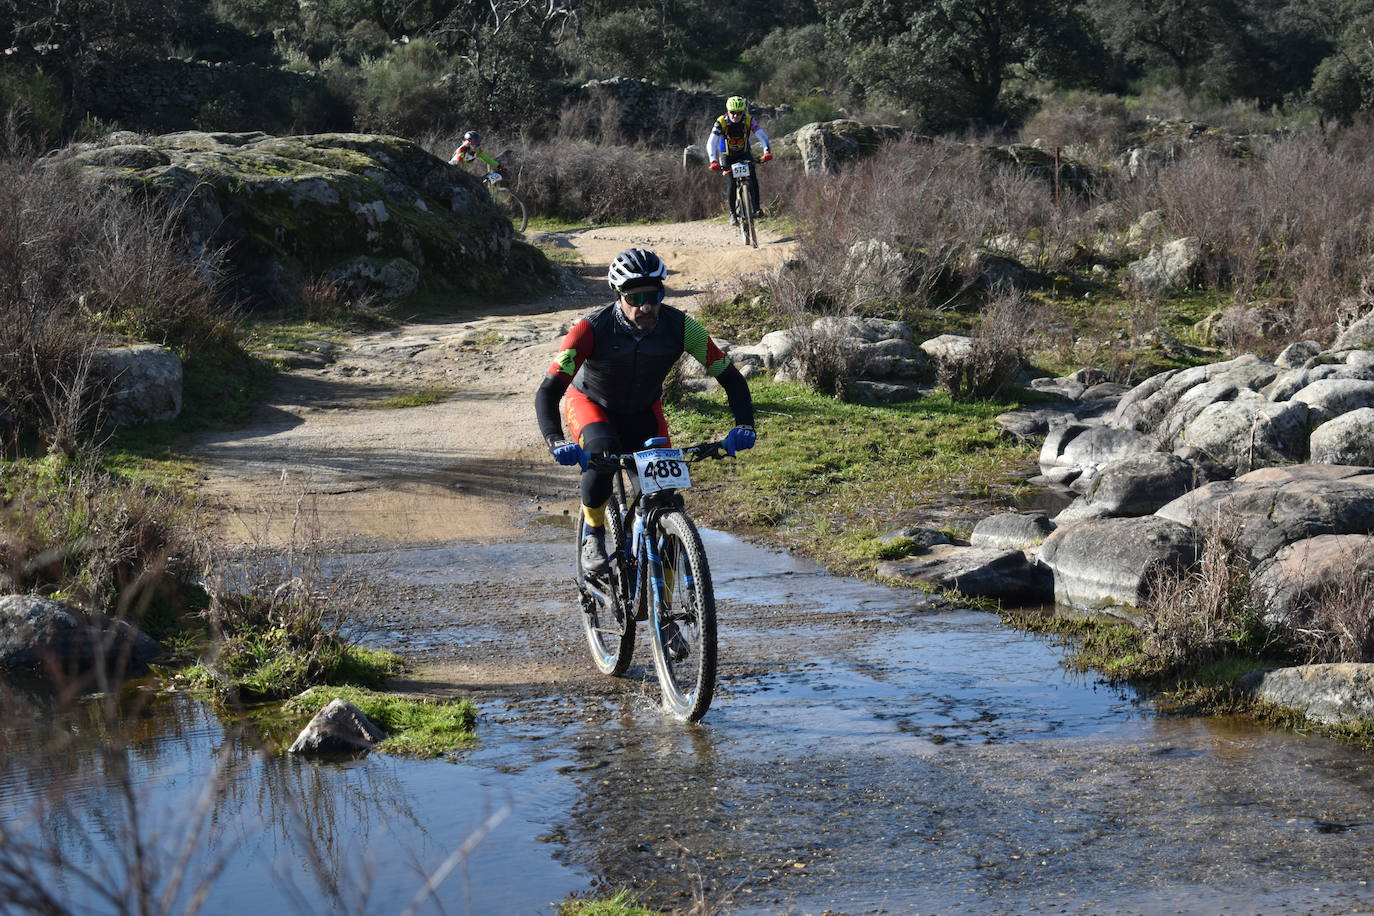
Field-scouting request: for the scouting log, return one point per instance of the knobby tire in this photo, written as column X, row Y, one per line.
column 751, row 231
column 685, row 598
column 610, row 628
column 511, row 205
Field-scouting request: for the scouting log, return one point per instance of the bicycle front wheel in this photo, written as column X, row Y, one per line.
column 683, row 621
column 746, row 213
column 511, row 205
column 606, row 615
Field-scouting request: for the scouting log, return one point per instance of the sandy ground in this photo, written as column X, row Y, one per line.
column 321, row 459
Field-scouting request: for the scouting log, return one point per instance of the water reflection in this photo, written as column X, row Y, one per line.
column 173, row 806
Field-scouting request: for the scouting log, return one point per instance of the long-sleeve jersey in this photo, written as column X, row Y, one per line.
column 466, row 152
column 624, row 372
column 731, row 140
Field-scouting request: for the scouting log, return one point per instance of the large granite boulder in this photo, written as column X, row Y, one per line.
column 1172, row 265
column 1139, row 484
column 1074, row 449
column 303, row 207
column 140, row 384
column 1249, row 432
column 1331, row 397
column 1348, row 439
column 1280, row 505
column 1145, row 406
column 1296, row 577
column 1111, row 563
column 824, row 146
column 1333, row 693
column 1012, row 531
column 44, row 636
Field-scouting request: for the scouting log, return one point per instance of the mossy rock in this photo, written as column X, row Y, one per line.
column 295, row 208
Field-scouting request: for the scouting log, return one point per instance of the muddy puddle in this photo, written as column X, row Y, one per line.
column 867, row 753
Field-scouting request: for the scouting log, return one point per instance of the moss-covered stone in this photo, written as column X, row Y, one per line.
column 298, row 207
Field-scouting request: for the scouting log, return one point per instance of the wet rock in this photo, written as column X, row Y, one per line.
column 977, row 572
column 1332, row 693
column 47, row 636
column 338, row 728
column 1348, row 439
column 1106, row 563
column 143, row 383
column 1012, row 531
column 1282, row 505
column 1140, row 484
column 1295, row 578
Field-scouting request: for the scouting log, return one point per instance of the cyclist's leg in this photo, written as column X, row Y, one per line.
column 729, row 190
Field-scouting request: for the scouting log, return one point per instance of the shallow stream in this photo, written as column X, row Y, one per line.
column 866, row 754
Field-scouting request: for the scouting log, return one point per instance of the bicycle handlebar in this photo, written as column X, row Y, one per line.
column 698, row 452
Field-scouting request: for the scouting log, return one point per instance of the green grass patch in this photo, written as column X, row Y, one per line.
column 828, row 477
column 417, row 727
column 555, row 224
column 745, row 317
column 424, row 397
column 622, row 903
column 257, row 664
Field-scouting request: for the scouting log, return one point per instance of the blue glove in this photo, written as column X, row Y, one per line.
column 568, row 453
column 739, row 439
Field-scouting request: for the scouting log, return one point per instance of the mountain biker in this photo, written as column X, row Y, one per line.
column 470, row 149
column 730, row 142
column 609, row 374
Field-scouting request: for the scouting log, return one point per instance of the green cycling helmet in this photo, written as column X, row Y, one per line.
column 736, row 103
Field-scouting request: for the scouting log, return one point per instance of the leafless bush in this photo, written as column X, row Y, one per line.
column 1199, row 614
column 1087, row 126
column 1339, row 619
column 997, row 351
column 82, row 268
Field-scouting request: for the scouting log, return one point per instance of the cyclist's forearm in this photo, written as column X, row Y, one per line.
column 763, row 138
column 737, row 393
column 491, row 163
column 546, row 406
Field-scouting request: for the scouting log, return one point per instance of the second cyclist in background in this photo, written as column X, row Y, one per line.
column 471, row 149
column 731, row 141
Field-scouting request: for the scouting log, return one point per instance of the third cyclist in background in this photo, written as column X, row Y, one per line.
column 470, row 149
column 731, row 142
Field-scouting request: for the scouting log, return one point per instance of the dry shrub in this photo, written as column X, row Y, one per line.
column 1086, row 126
column 1339, row 620
column 82, row 268
column 997, row 352
column 102, row 542
column 1197, row 615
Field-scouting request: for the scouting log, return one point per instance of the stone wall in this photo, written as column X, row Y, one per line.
column 153, row 95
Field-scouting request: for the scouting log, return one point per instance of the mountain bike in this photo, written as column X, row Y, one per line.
column 658, row 575
column 509, row 202
column 743, row 197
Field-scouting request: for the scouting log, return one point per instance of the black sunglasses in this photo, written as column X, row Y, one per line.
column 646, row 297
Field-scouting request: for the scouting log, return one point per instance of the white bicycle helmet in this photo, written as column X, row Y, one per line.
column 636, row 264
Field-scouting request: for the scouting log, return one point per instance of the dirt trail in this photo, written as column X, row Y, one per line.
column 322, row 456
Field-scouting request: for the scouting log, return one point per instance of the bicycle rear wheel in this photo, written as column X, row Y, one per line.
column 606, row 615
column 511, row 205
column 683, row 619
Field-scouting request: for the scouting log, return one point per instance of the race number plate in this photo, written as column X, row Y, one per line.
column 740, row 170
column 493, row 176
column 662, row 469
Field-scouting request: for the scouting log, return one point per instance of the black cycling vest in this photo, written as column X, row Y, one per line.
column 625, row 375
